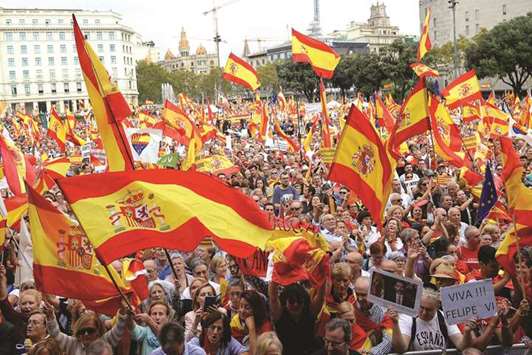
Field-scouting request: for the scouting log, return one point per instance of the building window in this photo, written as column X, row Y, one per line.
column 49, row 36
column 12, row 75
column 504, row 9
column 477, row 14
column 85, row 21
column 34, row 21
column 37, row 49
column 24, row 61
column 101, row 58
column 65, row 74
column 113, row 59
column 10, row 50
column 27, row 89
column 112, row 48
column 66, row 88
column 99, row 36
column 50, row 48
column 64, row 61
column 111, row 36
column 97, row 21
column 467, row 16
column 47, row 21
column 53, row 88
column 8, row 36
column 21, row 21
column 8, row 21
column 14, row 90
column 78, row 86
column 435, row 35
column 78, row 73
column 62, row 36
column 100, row 47
column 22, row 36
column 52, row 74
column 26, row 74
column 40, row 89
column 51, row 61
column 38, row 61
column 467, row 30
column 38, row 74
column 434, row 22
column 115, row 72
column 23, row 49
column 36, row 36
column 60, row 21
column 62, row 48
column 477, row 28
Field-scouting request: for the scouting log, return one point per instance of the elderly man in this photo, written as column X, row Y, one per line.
column 469, row 251
column 337, row 338
column 356, row 261
column 404, row 198
column 454, row 217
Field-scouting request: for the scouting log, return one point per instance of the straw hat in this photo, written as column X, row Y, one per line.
column 445, row 271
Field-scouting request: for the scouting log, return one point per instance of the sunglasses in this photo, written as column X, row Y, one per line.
column 87, row 331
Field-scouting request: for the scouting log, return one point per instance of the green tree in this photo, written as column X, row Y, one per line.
column 395, row 64
column 150, row 76
column 269, row 80
column 343, row 75
column 298, row 77
column 505, row 52
column 367, row 73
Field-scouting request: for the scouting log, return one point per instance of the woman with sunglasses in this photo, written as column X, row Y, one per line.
column 87, row 329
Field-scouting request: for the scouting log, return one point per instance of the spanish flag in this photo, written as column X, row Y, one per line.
column 57, row 130
column 326, row 134
column 216, row 164
column 125, row 212
column 462, row 90
column 177, row 119
column 384, row 117
column 497, row 120
column 519, row 199
column 424, row 42
column 292, row 144
column 447, row 140
column 414, row 114
column 422, row 70
column 362, row 163
column 57, row 168
column 14, row 166
column 71, row 133
column 64, row 261
column 321, row 57
column 16, row 208
column 240, row 72
column 109, row 106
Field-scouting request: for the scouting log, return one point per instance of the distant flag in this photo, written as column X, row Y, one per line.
column 326, row 134
column 422, row 70
column 424, row 42
column 109, row 106
column 488, row 197
column 321, row 57
column 384, row 115
column 462, row 90
column 414, row 114
column 57, row 130
column 240, row 72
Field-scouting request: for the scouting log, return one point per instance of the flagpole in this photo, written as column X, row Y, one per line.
column 171, row 265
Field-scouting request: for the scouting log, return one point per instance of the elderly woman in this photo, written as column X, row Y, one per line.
column 87, row 329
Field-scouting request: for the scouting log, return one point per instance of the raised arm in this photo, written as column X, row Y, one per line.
column 275, row 303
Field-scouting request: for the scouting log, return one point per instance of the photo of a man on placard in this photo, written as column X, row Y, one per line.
column 391, row 290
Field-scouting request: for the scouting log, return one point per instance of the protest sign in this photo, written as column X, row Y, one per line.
column 144, row 144
column 394, row 291
column 472, row 300
column 327, row 155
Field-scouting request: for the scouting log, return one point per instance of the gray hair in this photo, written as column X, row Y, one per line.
column 336, row 323
column 432, row 294
column 99, row 347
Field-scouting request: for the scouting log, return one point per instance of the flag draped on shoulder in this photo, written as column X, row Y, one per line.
column 125, row 212
column 362, row 163
column 414, row 116
column 424, row 42
column 109, row 106
column 321, row 57
column 462, row 90
column 64, row 262
column 241, row 72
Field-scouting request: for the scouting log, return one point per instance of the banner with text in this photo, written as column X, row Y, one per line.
column 473, row 300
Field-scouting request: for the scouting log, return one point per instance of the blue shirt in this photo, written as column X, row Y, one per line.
column 190, row 349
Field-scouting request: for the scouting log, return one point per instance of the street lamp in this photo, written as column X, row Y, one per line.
column 452, row 6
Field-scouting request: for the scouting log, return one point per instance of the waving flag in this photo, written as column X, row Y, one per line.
column 130, row 211
column 424, row 42
column 14, row 166
column 488, row 197
column 240, row 72
column 57, row 130
column 422, row 70
column 71, row 134
column 326, row 134
column 109, row 106
column 462, row 90
column 292, row 144
column 216, row 164
column 384, row 116
column 321, row 57
column 414, row 114
column 362, row 163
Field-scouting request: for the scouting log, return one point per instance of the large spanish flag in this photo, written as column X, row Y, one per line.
column 14, row 166
column 64, row 262
column 57, row 130
column 241, row 72
column 321, row 57
column 462, row 90
column 125, row 212
column 362, row 163
column 424, row 42
column 414, row 114
column 109, row 106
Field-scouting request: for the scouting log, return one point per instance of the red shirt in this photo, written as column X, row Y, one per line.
column 470, row 257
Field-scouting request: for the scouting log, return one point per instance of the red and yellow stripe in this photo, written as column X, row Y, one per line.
column 321, row 57
column 240, row 72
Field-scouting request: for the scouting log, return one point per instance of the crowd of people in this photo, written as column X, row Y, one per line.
column 202, row 303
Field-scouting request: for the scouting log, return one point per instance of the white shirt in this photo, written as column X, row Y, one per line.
column 428, row 335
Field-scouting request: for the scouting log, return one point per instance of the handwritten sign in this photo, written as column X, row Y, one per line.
column 327, row 155
column 473, row 300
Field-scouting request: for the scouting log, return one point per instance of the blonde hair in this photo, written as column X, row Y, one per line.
column 215, row 262
column 267, row 340
column 32, row 292
column 341, row 269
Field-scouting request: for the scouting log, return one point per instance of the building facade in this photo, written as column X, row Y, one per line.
column 145, row 50
column 377, row 32
column 39, row 66
column 471, row 16
column 200, row 62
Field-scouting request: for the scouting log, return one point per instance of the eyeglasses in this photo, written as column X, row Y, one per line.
column 87, row 331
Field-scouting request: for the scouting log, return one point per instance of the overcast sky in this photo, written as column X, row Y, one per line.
column 161, row 20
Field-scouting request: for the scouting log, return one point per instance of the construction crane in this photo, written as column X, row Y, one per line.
column 214, row 10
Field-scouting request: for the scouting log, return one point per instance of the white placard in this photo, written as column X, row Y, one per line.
column 144, row 144
column 393, row 291
column 472, row 300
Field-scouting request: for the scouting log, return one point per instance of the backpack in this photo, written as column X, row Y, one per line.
column 441, row 324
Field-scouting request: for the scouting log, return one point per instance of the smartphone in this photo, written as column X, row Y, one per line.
column 186, row 306
column 210, row 301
